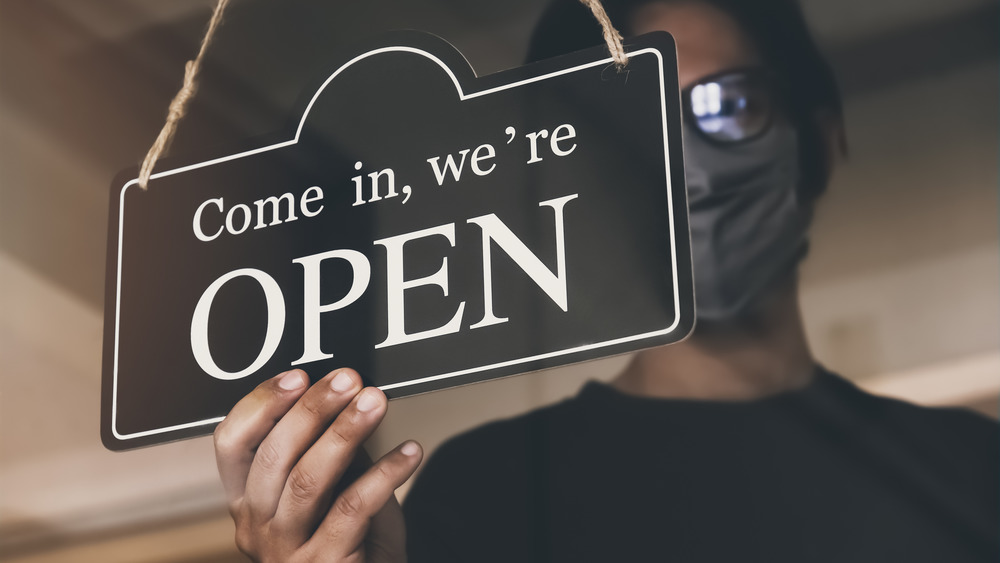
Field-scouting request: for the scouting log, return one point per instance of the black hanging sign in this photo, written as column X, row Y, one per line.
column 422, row 225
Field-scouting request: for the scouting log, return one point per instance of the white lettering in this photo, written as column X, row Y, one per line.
column 359, row 198
column 392, row 184
column 554, row 285
column 197, row 221
column 307, row 199
column 397, row 284
column 449, row 164
column 275, row 324
column 556, row 138
column 246, row 219
column 312, row 309
column 533, row 139
column 490, row 153
column 275, row 210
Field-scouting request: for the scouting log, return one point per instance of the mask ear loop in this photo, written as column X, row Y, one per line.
column 178, row 106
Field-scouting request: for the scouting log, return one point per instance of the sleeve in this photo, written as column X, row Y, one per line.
column 433, row 515
column 470, row 502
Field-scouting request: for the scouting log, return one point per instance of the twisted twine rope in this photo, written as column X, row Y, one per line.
column 611, row 35
column 178, row 106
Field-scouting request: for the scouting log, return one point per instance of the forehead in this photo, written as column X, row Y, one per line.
column 708, row 40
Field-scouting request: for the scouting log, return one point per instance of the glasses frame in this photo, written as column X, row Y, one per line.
column 770, row 83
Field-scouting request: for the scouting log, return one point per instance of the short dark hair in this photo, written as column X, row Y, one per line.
column 778, row 29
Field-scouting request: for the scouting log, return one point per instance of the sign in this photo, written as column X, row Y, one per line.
column 422, row 225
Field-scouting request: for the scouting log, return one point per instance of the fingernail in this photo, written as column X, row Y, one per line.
column 368, row 401
column 292, row 380
column 342, row 382
column 410, row 449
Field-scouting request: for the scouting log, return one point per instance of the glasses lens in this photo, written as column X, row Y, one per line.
column 731, row 108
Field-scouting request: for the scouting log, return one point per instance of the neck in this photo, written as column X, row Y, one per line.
column 761, row 354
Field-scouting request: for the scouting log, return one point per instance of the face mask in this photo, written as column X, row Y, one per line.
column 748, row 227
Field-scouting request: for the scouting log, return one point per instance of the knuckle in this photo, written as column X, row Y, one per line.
column 244, row 539
column 224, row 438
column 350, row 504
column 303, row 487
column 314, row 407
column 385, row 472
column 337, row 438
column 268, row 458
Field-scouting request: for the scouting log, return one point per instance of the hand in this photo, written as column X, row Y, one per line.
column 284, row 454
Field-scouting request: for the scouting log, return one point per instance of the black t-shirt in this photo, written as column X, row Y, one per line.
column 825, row 473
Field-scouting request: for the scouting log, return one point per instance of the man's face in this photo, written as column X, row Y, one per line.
column 748, row 230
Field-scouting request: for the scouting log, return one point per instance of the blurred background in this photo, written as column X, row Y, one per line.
column 900, row 290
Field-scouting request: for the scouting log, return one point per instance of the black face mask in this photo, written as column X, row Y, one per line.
column 748, row 226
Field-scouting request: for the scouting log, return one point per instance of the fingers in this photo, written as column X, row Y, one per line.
column 295, row 433
column 354, row 510
column 239, row 435
column 309, row 488
column 284, row 454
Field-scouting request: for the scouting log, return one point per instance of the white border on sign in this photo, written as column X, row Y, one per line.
column 462, row 97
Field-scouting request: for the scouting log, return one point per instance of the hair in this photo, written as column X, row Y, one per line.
column 779, row 31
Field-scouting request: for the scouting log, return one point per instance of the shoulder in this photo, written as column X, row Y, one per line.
column 937, row 421
column 958, row 438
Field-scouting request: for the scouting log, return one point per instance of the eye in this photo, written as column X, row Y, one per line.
column 706, row 100
column 732, row 107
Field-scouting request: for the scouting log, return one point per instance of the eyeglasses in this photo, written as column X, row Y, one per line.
column 731, row 107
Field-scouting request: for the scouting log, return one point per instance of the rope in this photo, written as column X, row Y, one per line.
column 178, row 107
column 611, row 35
